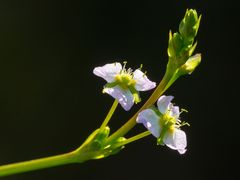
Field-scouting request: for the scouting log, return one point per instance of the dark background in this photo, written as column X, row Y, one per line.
column 50, row 100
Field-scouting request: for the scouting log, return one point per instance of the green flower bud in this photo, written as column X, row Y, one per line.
column 175, row 44
column 100, row 138
column 180, row 45
column 188, row 27
column 190, row 65
column 117, row 149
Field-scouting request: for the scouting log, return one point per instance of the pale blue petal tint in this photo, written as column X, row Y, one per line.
column 150, row 120
column 163, row 103
column 142, row 82
column 124, row 97
column 108, row 71
column 176, row 140
column 174, row 111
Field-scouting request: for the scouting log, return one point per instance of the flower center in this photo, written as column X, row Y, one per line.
column 168, row 122
column 125, row 80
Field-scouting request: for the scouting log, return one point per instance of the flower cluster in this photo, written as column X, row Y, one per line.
column 124, row 85
column 163, row 123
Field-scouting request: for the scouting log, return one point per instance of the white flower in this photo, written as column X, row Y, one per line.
column 164, row 124
column 124, row 84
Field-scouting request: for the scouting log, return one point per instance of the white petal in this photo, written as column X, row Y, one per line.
column 108, row 71
column 124, row 97
column 163, row 103
column 150, row 120
column 142, row 82
column 177, row 140
column 174, row 111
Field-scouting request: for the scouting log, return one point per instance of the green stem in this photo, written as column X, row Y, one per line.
column 77, row 156
column 109, row 115
column 41, row 163
column 161, row 88
column 134, row 138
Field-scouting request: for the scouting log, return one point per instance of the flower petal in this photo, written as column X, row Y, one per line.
column 150, row 120
column 124, row 97
column 163, row 103
column 176, row 140
column 174, row 111
column 142, row 82
column 108, row 71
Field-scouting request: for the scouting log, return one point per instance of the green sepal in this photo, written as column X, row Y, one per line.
column 155, row 109
column 189, row 26
column 116, row 150
column 175, row 45
column 96, row 146
column 109, row 149
column 100, row 138
column 162, row 134
column 111, row 85
column 135, row 94
column 136, row 97
column 190, row 65
column 191, row 49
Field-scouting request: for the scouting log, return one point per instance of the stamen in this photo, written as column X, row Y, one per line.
column 124, row 64
column 145, row 73
column 129, row 71
column 184, row 110
column 185, row 123
column 123, row 68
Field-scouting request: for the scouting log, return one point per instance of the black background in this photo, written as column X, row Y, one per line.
column 50, row 100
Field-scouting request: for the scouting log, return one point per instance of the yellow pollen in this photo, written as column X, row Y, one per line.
column 125, row 80
column 171, row 129
column 168, row 122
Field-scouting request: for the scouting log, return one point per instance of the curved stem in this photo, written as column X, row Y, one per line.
column 161, row 88
column 109, row 115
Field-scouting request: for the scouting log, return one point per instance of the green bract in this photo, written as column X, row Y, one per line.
column 180, row 45
column 190, row 65
column 188, row 27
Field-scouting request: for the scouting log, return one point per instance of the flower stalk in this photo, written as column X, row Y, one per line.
column 132, row 139
column 124, row 86
column 109, row 115
column 42, row 163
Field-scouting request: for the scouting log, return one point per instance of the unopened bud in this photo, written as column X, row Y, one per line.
column 190, row 64
column 188, row 27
